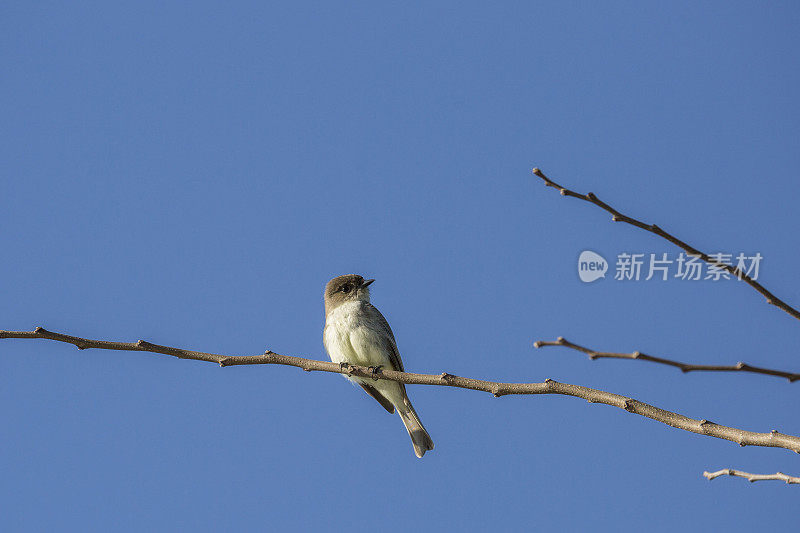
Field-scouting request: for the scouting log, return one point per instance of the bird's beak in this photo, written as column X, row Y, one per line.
column 367, row 283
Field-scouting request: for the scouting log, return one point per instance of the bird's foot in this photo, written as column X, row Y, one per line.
column 375, row 370
column 345, row 368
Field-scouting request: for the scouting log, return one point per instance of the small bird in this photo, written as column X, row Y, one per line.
column 356, row 333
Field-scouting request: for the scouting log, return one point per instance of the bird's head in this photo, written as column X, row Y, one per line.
column 347, row 288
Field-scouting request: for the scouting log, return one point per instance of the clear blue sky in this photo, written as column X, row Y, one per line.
column 192, row 174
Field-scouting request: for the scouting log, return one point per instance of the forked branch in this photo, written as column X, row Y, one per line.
column 685, row 367
column 616, row 216
column 779, row 476
column 772, row 439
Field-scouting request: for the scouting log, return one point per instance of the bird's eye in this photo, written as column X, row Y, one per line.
column 345, row 288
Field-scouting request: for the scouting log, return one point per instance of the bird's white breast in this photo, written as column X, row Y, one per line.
column 348, row 338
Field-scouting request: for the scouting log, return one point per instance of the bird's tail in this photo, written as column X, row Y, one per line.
column 420, row 439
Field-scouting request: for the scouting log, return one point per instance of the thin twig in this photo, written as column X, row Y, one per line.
column 652, row 228
column 779, row 476
column 685, row 367
column 772, row 439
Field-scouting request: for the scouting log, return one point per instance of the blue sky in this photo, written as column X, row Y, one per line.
column 192, row 174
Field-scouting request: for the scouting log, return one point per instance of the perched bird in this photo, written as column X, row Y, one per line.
column 356, row 333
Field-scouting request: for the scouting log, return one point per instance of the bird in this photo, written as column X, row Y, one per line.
column 356, row 333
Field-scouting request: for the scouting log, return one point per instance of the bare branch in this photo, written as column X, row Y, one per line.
column 779, row 476
column 616, row 216
column 773, row 439
column 685, row 367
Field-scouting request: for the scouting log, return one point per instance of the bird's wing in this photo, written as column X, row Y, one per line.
column 388, row 337
column 383, row 400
